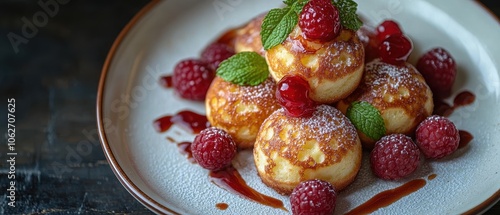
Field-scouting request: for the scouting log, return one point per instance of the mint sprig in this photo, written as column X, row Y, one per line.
column 347, row 12
column 244, row 68
column 279, row 23
column 296, row 5
column 367, row 119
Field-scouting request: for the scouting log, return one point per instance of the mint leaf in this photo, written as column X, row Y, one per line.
column 244, row 68
column 298, row 6
column 367, row 119
column 277, row 25
column 347, row 11
column 289, row 2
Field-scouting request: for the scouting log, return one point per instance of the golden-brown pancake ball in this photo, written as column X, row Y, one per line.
column 325, row 146
column 248, row 38
column 398, row 92
column 240, row 110
column 333, row 69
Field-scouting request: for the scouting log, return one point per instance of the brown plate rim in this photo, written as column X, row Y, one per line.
column 135, row 191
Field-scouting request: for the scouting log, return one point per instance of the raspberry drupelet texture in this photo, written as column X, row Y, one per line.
column 437, row 137
column 319, row 20
column 192, row 78
column 313, row 197
column 439, row 70
column 215, row 53
column 213, row 149
column 394, row 157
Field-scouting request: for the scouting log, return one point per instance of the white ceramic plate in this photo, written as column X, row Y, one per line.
column 165, row 32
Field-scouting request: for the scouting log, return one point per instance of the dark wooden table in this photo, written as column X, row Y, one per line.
column 52, row 72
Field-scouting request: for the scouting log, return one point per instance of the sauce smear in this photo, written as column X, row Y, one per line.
column 185, row 149
column 388, row 197
column 465, row 138
column 431, row 177
column 462, row 99
column 231, row 180
column 188, row 120
column 166, row 81
column 222, row 206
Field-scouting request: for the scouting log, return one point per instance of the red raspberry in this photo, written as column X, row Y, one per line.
column 395, row 49
column 394, row 157
column 437, row 137
column 313, row 197
column 192, row 78
column 439, row 70
column 387, row 29
column 215, row 53
column 292, row 94
column 319, row 20
column 213, row 148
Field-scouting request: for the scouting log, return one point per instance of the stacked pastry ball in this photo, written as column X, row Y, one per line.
column 319, row 63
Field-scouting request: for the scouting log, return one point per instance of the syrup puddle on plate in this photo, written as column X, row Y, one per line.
column 166, row 81
column 386, row 198
column 228, row 178
column 462, row 99
column 465, row 138
column 231, row 180
column 186, row 119
column 222, row 206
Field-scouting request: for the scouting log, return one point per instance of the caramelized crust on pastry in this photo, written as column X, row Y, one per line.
column 248, row 38
column 333, row 69
column 289, row 150
column 398, row 92
column 240, row 110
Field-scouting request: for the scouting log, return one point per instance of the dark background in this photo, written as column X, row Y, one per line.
column 53, row 78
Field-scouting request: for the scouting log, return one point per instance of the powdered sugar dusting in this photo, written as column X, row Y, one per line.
column 264, row 91
column 327, row 119
column 325, row 124
column 380, row 73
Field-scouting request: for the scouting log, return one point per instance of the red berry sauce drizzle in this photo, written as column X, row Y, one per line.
column 231, row 180
column 372, row 37
column 462, row 99
column 444, row 109
column 228, row 178
column 465, row 138
column 166, row 81
column 186, row 119
column 185, row 149
column 388, row 197
column 222, row 206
